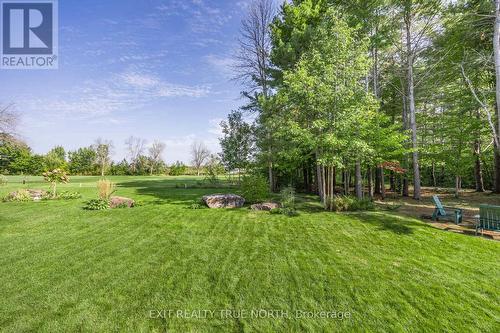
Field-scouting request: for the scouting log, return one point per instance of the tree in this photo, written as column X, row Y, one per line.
column 178, row 169
column 253, row 67
column 199, row 155
column 82, row 161
column 55, row 177
column 8, row 120
column 120, row 169
column 103, row 150
column 237, row 143
column 56, row 158
column 15, row 156
column 496, row 56
column 214, row 169
column 155, row 154
column 419, row 19
column 326, row 103
column 135, row 148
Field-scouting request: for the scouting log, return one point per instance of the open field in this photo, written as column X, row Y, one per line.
column 64, row 269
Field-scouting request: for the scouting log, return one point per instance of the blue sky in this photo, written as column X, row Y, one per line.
column 159, row 70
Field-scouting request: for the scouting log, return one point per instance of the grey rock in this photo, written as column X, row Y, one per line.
column 265, row 206
column 224, row 201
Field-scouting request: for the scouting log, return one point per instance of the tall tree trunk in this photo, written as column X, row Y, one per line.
column 305, row 175
column 378, row 175
column 370, row 182
column 496, row 49
column 271, row 177
column 392, row 181
column 358, row 181
column 382, row 183
column 496, row 174
column 458, row 185
column 319, row 176
column 478, row 169
column 412, row 111
column 434, row 182
column 346, row 182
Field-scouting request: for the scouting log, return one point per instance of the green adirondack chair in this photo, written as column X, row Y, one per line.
column 446, row 213
column 489, row 218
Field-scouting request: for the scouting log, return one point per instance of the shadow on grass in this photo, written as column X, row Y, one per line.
column 168, row 191
column 171, row 191
column 390, row 222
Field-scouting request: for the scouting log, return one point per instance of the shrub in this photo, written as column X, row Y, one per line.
column 55, row 177
column 67, row 195
column 361, row 205
column 19, row 195
column 177, row 169
column 275, row 211
column 342, row 203
column 196, row 206
column 284, row 211
column 96, row 204
column 254, row 188
column 213, row 168
column 3, row 180
column 287, row 198
column 105, row 189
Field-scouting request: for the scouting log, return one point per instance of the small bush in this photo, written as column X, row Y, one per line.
column 361, row 205
column 105, row 189
column 3, row 180
column 275, row 211
column 284, row 211
column 178, row 169
column 341, row 203
column 196, row 206
column 19, row 196
column 289, row 212
column 287, row 198
column 254, row 188
column 67, row 195
column 97, row 204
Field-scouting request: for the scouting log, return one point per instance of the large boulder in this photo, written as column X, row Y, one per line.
column 265, row 206
column 224, row 201
column 121, row 202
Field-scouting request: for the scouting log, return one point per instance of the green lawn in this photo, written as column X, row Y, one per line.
column 63, row 269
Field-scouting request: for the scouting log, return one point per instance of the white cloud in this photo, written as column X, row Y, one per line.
column 178, row 148
column 123, row 91
column 223, row 65
column 201, row 16
column 139, row 80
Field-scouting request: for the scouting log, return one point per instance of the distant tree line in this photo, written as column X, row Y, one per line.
column 17, row 158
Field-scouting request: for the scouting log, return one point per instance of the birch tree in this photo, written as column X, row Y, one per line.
column 135, row 148
column 155, row 154
column 199, row 155
column 103, row 150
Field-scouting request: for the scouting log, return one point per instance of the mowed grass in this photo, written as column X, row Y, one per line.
column 64, row 269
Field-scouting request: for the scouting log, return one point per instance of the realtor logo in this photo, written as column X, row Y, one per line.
column 29, row 37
